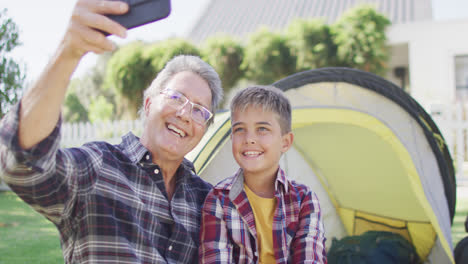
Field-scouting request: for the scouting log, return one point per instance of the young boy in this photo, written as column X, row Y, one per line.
column 258, row 215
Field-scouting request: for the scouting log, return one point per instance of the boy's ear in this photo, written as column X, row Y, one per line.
column 287, row 140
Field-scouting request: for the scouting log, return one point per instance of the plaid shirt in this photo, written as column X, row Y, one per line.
column 107, row 201
column 228, row 233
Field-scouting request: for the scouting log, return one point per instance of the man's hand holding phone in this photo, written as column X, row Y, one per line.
column 88, row 21
column 93, row 20
column 142, row 12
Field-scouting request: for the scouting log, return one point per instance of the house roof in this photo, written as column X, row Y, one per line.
column 241, row 17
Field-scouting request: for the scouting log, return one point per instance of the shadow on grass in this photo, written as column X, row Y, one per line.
column 25, row 235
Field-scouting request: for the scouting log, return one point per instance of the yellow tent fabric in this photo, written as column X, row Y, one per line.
column 379, row 189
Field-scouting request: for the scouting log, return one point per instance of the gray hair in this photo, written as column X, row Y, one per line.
column 269, row 98
column 183, row 63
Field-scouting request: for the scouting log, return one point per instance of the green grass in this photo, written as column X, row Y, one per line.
column 28, row 237
column 25, row 235
column 461, row 212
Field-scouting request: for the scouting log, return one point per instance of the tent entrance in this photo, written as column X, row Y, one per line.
column 367, row 173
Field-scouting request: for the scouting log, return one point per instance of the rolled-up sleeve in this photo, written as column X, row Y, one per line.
column 44, row 176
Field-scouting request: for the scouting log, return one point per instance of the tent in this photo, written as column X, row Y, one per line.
column 374, row 157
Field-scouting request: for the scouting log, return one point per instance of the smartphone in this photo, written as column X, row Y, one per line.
column 142, row 12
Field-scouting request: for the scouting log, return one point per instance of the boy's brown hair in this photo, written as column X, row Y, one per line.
column 269, row 98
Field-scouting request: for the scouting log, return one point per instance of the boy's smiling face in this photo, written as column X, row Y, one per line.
column 257, row 142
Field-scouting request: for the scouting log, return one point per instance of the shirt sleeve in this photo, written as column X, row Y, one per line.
column 44, row 176
column 215, row 246
column 308, row 245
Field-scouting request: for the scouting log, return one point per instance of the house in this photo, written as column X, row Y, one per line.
column 429, row 59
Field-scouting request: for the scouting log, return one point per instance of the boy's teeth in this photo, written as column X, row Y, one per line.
column 251, row 153
column 178, row 131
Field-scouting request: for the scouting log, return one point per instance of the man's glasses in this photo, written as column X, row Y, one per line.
column 199, row 113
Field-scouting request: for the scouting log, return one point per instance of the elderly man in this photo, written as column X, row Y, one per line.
column 136, row 202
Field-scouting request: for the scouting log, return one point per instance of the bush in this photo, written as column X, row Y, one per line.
column 268, row 58
column 225, row 55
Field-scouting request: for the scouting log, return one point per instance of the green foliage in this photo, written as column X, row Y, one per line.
column 161, row 52
column 127, row 73
column 225, row 55
column 360, row 37
column 74, row 111
column 311, row 43
column 268, row 58
column 357, row 40
column 100, row 110
column 82, row 90
column 11, row 75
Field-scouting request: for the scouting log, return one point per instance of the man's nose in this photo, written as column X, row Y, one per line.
column 185, row 111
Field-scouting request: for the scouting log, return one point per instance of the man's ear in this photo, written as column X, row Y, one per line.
column 287, row 140
column 147, row 105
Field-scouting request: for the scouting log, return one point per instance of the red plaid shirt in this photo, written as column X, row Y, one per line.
column 228, row 233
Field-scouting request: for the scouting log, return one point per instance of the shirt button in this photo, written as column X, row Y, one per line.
column 156, row 171
column 170, row 248
column 147, row 157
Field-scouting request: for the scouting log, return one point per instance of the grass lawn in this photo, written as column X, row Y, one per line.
column 27, row 237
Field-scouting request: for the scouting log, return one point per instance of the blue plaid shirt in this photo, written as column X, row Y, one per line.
column 108, row 201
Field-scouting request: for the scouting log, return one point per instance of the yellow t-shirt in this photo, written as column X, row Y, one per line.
column 263, row 210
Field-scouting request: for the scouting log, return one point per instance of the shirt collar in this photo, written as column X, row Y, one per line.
column 133, row 148
column 238, row 183
column 136, row 152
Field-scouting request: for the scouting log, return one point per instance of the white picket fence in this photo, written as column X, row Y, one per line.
column 452, row 121
column 76, row 134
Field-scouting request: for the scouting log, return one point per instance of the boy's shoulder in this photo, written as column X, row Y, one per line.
column 296, row 188
column 226, row 183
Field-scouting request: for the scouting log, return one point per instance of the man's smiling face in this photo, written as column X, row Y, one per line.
column 171, row 133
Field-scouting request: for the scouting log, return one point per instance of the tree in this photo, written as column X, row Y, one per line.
column 127, row 74
column 268, row 58
column 74, row 111
column 360, row 37
column 11, row 74
column 225, row 55
column 161, row 52
column 82, row 90
column 311, row 42
column 100, row 110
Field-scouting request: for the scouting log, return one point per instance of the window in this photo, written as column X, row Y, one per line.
column 461, row 76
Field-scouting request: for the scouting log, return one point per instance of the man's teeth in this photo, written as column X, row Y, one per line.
column 176, row 130
column 252, row 153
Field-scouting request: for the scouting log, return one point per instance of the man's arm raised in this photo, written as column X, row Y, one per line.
column 41, row 105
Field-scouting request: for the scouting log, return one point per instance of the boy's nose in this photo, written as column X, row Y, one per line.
column 250, row 139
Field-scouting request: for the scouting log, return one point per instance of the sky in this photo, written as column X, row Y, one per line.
column 43, row 23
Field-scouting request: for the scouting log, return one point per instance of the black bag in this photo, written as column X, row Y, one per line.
column 461, row 251
column 373, row 247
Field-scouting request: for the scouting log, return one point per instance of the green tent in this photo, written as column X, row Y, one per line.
column 374, row 157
